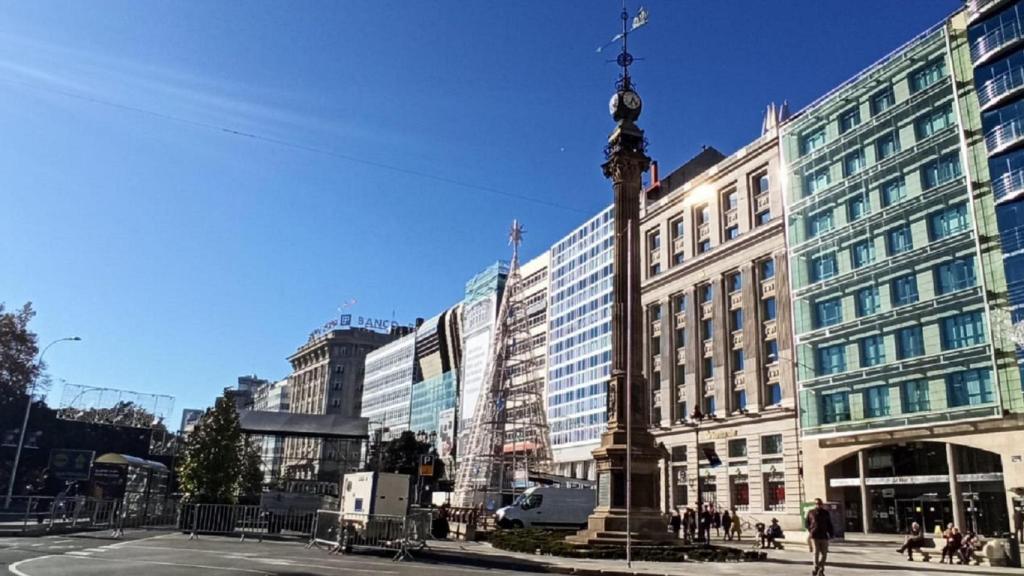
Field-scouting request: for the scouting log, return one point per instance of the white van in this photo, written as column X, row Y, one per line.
column 548, row 507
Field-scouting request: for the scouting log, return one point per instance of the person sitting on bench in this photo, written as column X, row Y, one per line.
column 915, row 540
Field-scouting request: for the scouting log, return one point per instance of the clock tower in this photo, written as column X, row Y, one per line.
column 627, row 459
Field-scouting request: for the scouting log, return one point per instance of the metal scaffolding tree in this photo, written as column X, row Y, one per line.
column 509, row 437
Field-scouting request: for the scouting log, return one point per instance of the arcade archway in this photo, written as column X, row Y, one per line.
column 886, row 488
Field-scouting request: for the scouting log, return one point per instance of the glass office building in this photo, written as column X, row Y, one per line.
column 579, row 344
column 894, row 277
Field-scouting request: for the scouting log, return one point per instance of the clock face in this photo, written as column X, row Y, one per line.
column 631, row 100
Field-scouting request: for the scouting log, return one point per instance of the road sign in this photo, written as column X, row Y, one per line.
column 426, row 465
column 71, row 464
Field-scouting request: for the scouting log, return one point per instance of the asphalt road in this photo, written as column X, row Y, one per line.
column 172, row 554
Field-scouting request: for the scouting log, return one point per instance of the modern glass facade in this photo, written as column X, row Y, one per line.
column 431, row 397
column 579, row 342
column 996, row 37
column 387, row 386
column 890, row 314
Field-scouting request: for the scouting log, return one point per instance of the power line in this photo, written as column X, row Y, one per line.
column 295, row 146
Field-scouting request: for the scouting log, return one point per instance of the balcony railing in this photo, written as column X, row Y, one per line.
column 680, row 318
column 736, row 299
column 737, row 339
column 1005, row 136
column 677, row 245
column 1009, row 186
column 999, row 89
column 731, row 218
column 680, row 356
column 706, row 308
column 976, row 9
column 768, row 288
column 709, row 347
column 774, row 372
column 739, row 380
column 656, row 328
column 770, row 330
column 761, row 202
column 704, row 232
column 988, row 46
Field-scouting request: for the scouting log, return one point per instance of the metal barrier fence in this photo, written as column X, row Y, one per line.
column 245, row 521
column 39, row 514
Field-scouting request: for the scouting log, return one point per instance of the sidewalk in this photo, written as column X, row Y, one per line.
column 845, row 558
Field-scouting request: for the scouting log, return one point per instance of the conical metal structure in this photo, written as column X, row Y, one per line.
column 509, row 437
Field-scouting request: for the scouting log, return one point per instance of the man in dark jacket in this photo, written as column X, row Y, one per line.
column 819, row 528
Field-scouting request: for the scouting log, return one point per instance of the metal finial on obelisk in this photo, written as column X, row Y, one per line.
column 515, row 238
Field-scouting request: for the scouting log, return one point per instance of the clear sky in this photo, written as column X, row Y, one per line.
column 396, row 142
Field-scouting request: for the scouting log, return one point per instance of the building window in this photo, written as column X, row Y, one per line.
column 828, row 312
column 893, row 191
column 655, row 269
column 849, row 120
column 709, row 405
column 853, row 163
column 811, row 142
column 732, row 232
column 962, row 330
column 904, row 290
column 940, row 171
column 882, row 100
column 736, row 319
column 737, row 360
column 909, row 342
column 774, row 396
column 933, row 121
column 708, row 328
column 872, row 351
column 969, row 388
column 730, row 200
column 740, row 399
column 768, row 309
column 771, row 350
column 681, row 413
column 857, row 207
column 707, row 292
column 887, row 145
column 654, row 241
column 948, row 221
column 927, row 75
column 739, row 490
column 835, row 407
column 703, row 246
column 876, row 402
column 763, row 217
column 863, row 253
column 914, row 396
column 761, row 183
column 819, row 223
column 816, row 181
column 954, row 276
column 899, row 240
column 823, row 267
column 703, row 214
column 831, row 359
column 735, row 282
column 738, row 448
column 868, row 301
column 771, row 445
column 774, row 491
column 767, row 269
column 679, row 303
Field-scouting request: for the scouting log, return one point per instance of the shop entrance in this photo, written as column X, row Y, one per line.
column 929, row 511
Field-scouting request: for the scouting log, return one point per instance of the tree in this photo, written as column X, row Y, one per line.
column 217, row 464
column 403, row 454
column 19, row 347
column 251, row 477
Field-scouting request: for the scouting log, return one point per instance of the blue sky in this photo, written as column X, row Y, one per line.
column 397, row 141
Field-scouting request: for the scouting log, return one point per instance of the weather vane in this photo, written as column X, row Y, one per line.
column 625, row 59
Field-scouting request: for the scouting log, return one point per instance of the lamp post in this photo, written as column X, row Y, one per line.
column 24, row 422
column 695, row 419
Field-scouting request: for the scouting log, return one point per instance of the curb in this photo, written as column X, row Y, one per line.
column 495, row 561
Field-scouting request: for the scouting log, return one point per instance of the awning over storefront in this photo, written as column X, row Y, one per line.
column 127, row 460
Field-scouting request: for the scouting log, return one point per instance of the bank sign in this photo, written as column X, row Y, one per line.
column 346, row 321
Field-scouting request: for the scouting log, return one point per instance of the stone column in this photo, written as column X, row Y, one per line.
column 956, row 495
column 865, row 496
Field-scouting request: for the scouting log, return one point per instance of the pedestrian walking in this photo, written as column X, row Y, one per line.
column 727, row 525
column 675, row 522
column 737, row 526
column 1018, row 522
column 690, row 525
column 819, row 529
column 704, row 525
column 716, row 522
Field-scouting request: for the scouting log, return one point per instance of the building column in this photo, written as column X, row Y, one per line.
column 865, row 496
column 955, row 493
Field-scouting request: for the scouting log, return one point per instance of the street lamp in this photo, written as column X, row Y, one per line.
column 695, row 419
column 24, row 421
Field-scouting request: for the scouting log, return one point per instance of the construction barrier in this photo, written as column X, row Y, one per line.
column 27, row 515
column 245, row 521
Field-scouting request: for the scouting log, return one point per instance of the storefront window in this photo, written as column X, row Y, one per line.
column 774, row 491
column 679, row 493
column 739, row 490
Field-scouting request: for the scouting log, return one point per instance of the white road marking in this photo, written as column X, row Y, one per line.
column 14, row 568
column 154, row 562
column 79, row 553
